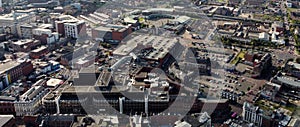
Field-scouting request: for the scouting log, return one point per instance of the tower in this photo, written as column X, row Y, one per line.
column 15, row 32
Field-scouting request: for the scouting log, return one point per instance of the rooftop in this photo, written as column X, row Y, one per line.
column 7, row 98
column 8, row 65
column 289, row 80
column 31, row 93
column 162, row 44
column 22, row 42
column 54, row 82
column 295, row 65
column 39, row 49
column 112, row 27
column 5, row 119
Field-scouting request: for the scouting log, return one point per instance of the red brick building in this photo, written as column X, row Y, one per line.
column 25, row 45
column 38, row 53
column 27, row 68
column 7, row 105
column 60, row 28
column 11, row 71
column 111, row 33
column 121, row 34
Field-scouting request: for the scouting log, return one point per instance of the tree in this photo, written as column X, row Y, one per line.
column 298, row 60
column 248, row 88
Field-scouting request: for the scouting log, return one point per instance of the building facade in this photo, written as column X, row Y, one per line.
column 31, row 101
column 71, row 28
column 12, row 71
column 25, row 45
column 252, row 114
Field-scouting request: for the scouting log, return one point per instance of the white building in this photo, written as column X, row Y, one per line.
column 69, row 26
column 252, row 114
column 50, row 37
column 43, row 67
column 264, row 36
column 12, row 20
column 31, row 101
column 25, row 31
column 73, row 29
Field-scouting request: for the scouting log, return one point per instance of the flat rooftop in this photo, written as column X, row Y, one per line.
column 22, row 42
column 7, row 66
column 39, row 49
column 54, row 82
column 90, row 89
column 104, row 79
column 7, row 98
column 289, row 80
column 156, row 42
column 5, row 119
column 111, row 27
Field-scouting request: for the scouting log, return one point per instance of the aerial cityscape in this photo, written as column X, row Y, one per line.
column 150, row 63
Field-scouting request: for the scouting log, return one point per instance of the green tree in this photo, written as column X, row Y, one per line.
column 248, row 88
column 298, row 60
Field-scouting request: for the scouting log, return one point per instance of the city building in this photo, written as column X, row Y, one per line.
column 84, row 61
column 13, row 19
column 111, row 33
column 7, row 121
column 46, row 36
column 293, row 69
column 66, row 58
column 68, row 26
column 56, row 120
column 25, row 45
column 255, row 64
column 54, row 65
column 51, row 103
column 2, row 52
column 11, row 71
column 39, row 52
column 75, row 29
column 264, row 36
column 7, row 105
column 195, row 120
column 43, row 3
column 287, row 82
column 96, row 120
column 25, row 31
column 53, row 83
column 252, row 114
column 30, row 102
column 42, row 67
column 270, row 91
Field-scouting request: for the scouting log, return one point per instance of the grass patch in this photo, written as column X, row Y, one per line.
column 240, row 56
column 268, row 17
column 292, row 9
column 267, row 105
column 222, row 1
